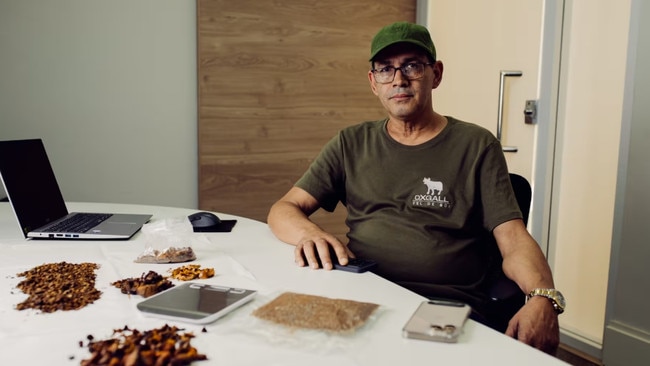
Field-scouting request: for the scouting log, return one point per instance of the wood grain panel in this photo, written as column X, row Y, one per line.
column 277, row 79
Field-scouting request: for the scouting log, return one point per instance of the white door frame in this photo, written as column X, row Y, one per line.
column 545, row 140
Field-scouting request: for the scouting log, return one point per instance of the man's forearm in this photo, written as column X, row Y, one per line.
column 527, row 266
column 523, row 260
column 288, row 222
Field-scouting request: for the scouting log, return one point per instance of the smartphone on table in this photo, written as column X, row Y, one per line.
column 437, row 320
column 356, row 265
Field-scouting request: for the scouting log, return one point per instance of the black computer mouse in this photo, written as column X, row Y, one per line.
column 204, row 219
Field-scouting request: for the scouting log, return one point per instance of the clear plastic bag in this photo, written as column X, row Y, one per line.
column 167, row 241
column 243, row 323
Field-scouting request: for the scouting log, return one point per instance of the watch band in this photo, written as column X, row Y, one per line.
column 555, row 296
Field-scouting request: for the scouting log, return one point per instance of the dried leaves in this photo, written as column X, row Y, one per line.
column 161, row 346
column 59, row 286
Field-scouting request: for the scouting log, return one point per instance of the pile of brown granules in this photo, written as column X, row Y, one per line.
column 59, row 286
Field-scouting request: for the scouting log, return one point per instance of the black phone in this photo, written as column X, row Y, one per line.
column 356, row 265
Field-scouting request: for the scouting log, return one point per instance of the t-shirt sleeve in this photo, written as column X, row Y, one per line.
column 325, row 178
column 497, row 196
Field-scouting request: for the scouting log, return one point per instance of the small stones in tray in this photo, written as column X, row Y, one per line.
column 59, row 286
column 161, row 346
column 146, row 285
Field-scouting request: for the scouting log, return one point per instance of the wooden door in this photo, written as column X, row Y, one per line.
column 278, row 79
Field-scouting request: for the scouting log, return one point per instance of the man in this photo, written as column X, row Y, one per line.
column 425, row 193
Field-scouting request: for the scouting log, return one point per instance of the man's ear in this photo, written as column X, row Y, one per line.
column 437, row 74
column 373, row 84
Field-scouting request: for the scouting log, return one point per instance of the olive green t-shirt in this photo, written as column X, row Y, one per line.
column 424, row 212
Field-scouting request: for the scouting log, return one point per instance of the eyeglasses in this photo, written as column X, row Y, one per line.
column 411, row 71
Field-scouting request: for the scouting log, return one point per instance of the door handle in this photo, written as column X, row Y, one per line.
column 502, row 81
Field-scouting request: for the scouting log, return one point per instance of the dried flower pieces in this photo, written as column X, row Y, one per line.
column 161, row 346
column 59, row 286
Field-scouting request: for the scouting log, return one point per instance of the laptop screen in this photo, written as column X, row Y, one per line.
column 30, row 183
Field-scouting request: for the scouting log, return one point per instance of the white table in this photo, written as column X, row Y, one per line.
column 250, row 256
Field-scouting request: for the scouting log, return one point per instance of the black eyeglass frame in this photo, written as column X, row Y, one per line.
column 420, row 71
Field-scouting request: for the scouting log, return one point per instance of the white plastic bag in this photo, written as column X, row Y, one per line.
column 167, row 241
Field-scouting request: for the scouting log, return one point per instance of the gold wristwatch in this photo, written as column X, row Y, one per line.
column 556, row 297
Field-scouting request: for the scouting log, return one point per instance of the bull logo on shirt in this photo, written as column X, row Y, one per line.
column 433, row 198
column 432, row 186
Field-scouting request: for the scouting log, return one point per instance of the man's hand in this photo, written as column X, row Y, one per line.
column 536, row 325
column 317, row 250
column 289, row 221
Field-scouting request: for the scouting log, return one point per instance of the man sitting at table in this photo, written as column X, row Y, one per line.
column 425, row 194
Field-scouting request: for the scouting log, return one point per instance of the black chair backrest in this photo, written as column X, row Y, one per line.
column 523, row 193
column 507, row 297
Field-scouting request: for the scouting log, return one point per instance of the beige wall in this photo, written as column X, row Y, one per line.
column 589, row 125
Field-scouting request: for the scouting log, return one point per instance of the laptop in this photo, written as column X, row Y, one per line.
column 38, row 204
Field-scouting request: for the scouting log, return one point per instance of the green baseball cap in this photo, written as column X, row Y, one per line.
column 402, row 32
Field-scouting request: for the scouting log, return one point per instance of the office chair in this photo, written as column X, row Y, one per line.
column 505, row 295
column 523, row 193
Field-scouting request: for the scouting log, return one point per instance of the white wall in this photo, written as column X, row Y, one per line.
column 627, row 331
column 589, row 125
column 110, row 86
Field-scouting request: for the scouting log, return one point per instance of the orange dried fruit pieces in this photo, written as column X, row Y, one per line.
column 191, row 271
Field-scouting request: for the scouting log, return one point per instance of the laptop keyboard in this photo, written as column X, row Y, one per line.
column 79, row 223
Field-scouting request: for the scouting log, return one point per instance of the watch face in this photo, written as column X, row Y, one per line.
column 560, row 299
